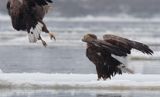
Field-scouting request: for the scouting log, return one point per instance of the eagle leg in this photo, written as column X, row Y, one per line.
column 43, row 42
column 51, row 35
column 44, row 29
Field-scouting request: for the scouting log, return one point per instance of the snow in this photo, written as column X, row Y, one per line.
column 77, row 81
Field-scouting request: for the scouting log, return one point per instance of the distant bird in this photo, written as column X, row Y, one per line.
column 27, row 15
column 100, row 53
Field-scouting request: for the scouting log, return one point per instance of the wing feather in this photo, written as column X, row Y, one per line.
column 113, row 49
column 127, row 44
column 39, row 2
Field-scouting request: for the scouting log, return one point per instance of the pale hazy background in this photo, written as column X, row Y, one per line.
column 70, row 19
column 72, row 8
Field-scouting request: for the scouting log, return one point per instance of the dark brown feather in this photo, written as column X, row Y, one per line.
column 127, row 44
column 27, row 13
column 113, row 49
column 106, row 65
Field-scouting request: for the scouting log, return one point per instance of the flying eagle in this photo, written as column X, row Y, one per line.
column 100, row 53
column 27, row 15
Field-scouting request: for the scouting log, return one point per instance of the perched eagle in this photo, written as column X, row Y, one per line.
column 100, row 53
column 27, row 15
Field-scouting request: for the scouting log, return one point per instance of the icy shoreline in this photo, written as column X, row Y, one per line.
column 77, row 81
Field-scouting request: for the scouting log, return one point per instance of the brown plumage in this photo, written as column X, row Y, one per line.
column 27, row 15
column 99, row 52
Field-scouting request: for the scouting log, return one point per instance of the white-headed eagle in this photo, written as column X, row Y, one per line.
column 27, row 15
column 100, row 53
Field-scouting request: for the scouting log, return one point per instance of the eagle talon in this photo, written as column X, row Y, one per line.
column 52, row 36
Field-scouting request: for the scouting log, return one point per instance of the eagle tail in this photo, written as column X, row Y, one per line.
column 34, row 34
column 125, row 69
column 32, row 38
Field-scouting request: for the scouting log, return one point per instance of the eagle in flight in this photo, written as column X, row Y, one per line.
column 100, row 53
column 27, row 15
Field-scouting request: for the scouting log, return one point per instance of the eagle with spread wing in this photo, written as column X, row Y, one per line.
column 100, row 53
column 27, row 15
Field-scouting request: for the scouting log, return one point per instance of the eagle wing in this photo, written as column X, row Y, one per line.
column 38, row 7
column 121, row 46
column 42, row 2
column 110, row 48
column 124, row 46
column 39, row 2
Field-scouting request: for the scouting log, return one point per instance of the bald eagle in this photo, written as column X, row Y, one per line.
column 100, row 53
column 27, row 15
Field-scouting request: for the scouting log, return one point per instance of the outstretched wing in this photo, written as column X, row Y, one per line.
column 120, row 46
column 125, row 45
column 110, row 48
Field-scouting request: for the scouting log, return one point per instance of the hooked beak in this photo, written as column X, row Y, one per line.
column 84, row 40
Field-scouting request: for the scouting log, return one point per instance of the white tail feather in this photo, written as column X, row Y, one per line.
column 125, row 69
column 34, row 34
column 32, row 38
column 37, row 30
column 39, row 26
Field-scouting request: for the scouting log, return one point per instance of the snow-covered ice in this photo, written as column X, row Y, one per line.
column 77, row 81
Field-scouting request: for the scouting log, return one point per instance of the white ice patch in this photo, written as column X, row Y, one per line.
column 1, row 71
column 77, row 81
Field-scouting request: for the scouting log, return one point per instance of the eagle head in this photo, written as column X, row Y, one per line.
column 89, row 38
